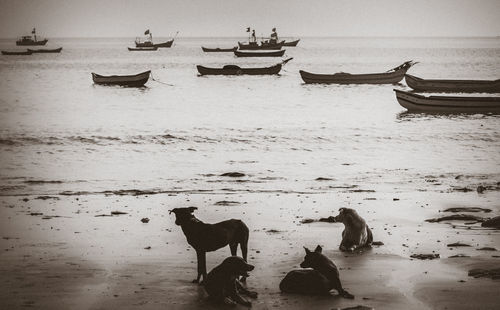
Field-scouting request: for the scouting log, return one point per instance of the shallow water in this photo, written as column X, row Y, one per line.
column 60, row 133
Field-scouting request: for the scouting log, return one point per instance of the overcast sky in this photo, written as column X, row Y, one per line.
column 127, row 18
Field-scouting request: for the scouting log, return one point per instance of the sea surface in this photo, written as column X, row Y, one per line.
column 61, row 134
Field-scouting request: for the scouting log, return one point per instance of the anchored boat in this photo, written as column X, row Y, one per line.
column 236, row 70
column 142, row 49
column 457, row 86
column 136, row 80
column 447, row 104
column 55, row 50
column 391, row 76
column 31, row 40
column 27, row 52
column 219, row 50
column 259, row 54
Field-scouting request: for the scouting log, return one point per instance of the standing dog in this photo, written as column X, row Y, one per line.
column 222, row 283
column 205, row 237
column 323, row 277
column 356, row 233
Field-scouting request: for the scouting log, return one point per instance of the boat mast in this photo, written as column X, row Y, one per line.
column 34, row 33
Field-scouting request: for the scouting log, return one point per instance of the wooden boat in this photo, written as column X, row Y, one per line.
column 27, row 52
column 392, row 76
column 151, row 44
column 457, row 86
column 136, row 80
column 447, row 104
column 291, row 43
column 31, row 40
column 144, row 49
column 262, row 46
column 259, row 54
column 214, row 50
column 55, row 50
column 236, row 70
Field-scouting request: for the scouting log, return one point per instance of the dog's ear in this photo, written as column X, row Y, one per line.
column 307, row 250
column 318, row 249
column 191, row 209
column 342, row 210
column 172, row 211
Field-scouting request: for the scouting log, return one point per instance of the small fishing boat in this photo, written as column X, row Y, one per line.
column 447, row 104
column 262, row 46
column 236, row 70
column 27, row 52
column 136, row 80
column 55, row 50
column 456, row 86
column 259, row 54
column 215, row 50
column 31, row 40
column 391, row 76
column 291, row 43
column 143, row 49
column 149, row 42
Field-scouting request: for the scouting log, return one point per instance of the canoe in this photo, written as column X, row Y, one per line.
column 214, row 50
column 136, row 80
column 457, row 86
column 55, row 50
column 392, row 76
column 291, row 43
column 236, row 70
column 262, row 46
column 150, row 44
column 447, row 104
column 145, row 49
column 259, row 54
column 27, row 52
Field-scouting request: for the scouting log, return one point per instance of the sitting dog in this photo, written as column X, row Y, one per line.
column 222, row 283
column 356, row 233
column 323, row 277
column 205, row 237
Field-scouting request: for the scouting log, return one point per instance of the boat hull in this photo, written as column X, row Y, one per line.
column 16, row 53
column 466, row 86
column 31, row 42
column 259, row 54
column 218, row 50
column 235, row 70
column 149, row 44
column 291, row 43
column 142, row 49
column 56, row 50
column 136, row 80
column 447, row 104
column 262, row 46
column 347, row 78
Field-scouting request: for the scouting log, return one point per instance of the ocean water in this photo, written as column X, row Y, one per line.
column 61, row 134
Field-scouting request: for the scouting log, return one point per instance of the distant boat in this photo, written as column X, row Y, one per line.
column 259, row 54
column 149, row 42
column 236, row 70
column 263, row 46
column 457, row 86
column 291, row 43
column 136, row 80
column 214, row 50
column 137, row 49
column 31, row 40
column 447, row 104
column 55, row 50
column 27, row 52
column 392, row 76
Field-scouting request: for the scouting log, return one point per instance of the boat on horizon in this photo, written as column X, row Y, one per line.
column 12, row 53
column 149, row 41
column 218, row 50
column 239, row 53
column 31, row 40
column 456, row 86
column 236, row 70
column 55, row 50
column 447, row 104
column 391, row 76
column 135, row 80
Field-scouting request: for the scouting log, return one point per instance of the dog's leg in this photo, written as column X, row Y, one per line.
column 243, row 290
column 234, row 248
column 202, row 267
column 338, row 286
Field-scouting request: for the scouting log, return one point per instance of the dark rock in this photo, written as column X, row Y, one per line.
column 233, row 174
column 307, row 221
column 459, row 255
column 226, row 203
column 457, row 244
column 471, row 209
column 480, row 189
column 486, row 249
column 36, row 213
column 377, row 243
column 118, row 212
column 456, row 217
column 145, row 220
column 323, row 179
column 47, row 197
column 485, row 273
column 425, row 256
column 147, row 248
column 493, row 222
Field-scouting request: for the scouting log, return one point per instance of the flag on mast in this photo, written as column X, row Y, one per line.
column 248, row 29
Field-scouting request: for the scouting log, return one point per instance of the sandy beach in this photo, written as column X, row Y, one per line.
column 59, row 252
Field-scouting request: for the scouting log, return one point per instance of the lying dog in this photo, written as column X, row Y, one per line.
column 222, row 283
column 210, row 237
column 356, row 233
column 323, row 277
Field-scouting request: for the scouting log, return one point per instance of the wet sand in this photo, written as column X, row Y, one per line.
column 58, row 253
